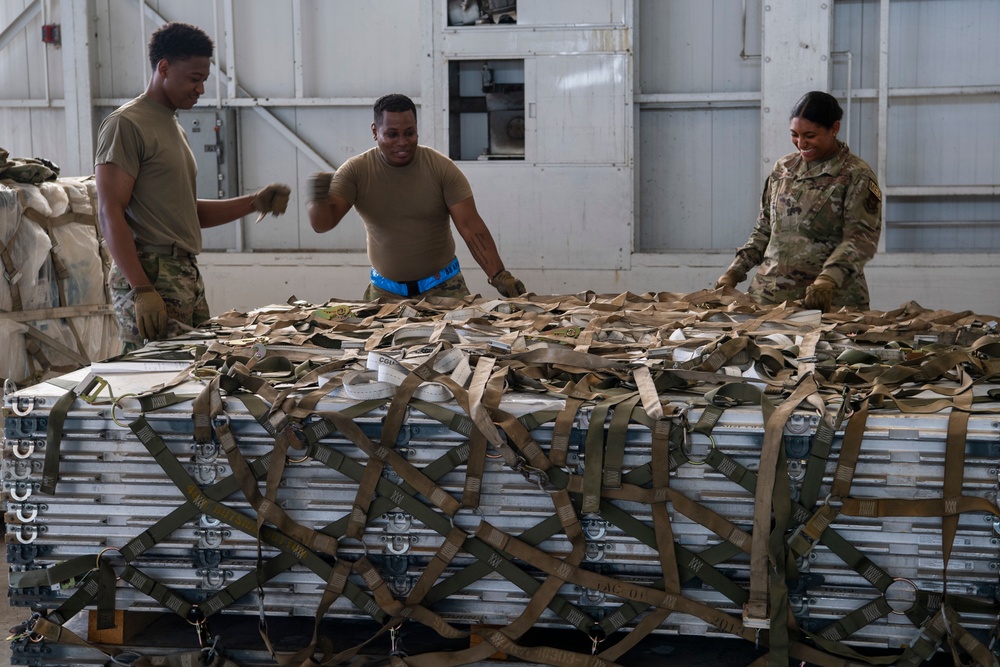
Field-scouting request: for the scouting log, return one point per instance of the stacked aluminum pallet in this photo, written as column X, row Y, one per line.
column 495, row 409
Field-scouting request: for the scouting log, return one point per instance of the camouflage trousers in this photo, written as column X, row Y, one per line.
column 177, row 281
column 454, row 288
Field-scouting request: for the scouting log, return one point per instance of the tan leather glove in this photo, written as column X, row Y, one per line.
column 150, row 312
column 507, row 284
column 728, row 279
column 272, row 198
column 819, row 295
column 319, row 187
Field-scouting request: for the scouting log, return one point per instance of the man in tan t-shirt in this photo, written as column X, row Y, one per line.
column 147, row 205
column 405, row 194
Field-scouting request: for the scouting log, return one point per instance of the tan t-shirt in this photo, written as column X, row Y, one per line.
column 144, row 138
column 405, row 209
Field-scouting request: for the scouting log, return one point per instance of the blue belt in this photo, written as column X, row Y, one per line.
column 415, row 287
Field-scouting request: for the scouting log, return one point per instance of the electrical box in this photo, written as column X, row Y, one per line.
column 212, row 135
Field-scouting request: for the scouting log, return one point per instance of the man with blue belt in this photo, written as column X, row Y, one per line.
column 405, row 194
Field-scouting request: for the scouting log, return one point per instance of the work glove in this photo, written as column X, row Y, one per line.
column 728, row 279
column 819, row 295
column 271, row 198
column 507, row 284
column 319, row 187
column 150, row 312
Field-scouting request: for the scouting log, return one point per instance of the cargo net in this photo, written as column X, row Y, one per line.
column 823, row 487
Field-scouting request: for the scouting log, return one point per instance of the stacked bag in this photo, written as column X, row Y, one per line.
column 54, row 267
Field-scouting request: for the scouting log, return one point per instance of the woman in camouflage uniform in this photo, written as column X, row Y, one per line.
column 820, row 218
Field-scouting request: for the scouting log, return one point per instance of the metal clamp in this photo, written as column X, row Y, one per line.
column 21, row 469
column 594, row 528
column 101, row 553
column 398, row 522
column 16, row 408
column 114, row 406
column 686, row 447
column 15, row 494
column 214, row 578
column 594, row 551
column 22, row 454
column 206, row 452
column 32, row 508
column 210, row 538
column 26, row 534
column 398, row 545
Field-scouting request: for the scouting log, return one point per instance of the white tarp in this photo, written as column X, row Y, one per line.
column 34, row 249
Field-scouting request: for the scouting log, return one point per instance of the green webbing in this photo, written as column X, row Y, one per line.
column 837, row 544
column 594, row 459
column 152, row 402
column 441, row 524
column 172, row 467
column 819, row 454
column 53, row 441
column 614, row 454
column 83, row 596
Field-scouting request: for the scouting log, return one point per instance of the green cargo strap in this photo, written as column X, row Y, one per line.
column 53, row 438
column 176, row 472
column 539, row 600
column 819, row 454
column 614, row 455
column 390, row 431
column 403, row 498
column 599, row 582
column 397, row 610
column 662, row 529
column 331, row 421
column 593, row 463
column 333, row 589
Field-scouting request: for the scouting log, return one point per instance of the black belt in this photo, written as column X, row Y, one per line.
column 169, row 249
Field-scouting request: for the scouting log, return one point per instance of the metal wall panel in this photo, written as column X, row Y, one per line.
column 682, row 208
column 793, row 32
column 688, row 46
column 556, row 216
column 121, row 65
column 343, row 48
column 21, row 54
column 943, row 43
column 939, row 141
column 579, row 114
column 698, row 183
column 23, row 75
column 571, row 12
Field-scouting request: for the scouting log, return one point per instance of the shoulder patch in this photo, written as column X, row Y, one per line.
column 873, row 186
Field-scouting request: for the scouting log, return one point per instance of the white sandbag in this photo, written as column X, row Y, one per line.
column 33, row 198
column 79, row 195
column 77, row 246
column 56, row 196
column 29, row 248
